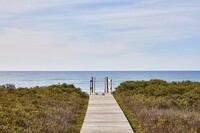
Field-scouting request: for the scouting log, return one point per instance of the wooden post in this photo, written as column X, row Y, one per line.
column 94, row 79
column 108, row 85
column 105, row 85
column 90, row 87
column 111, row 86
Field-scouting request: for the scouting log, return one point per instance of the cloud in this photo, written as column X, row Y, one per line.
column 25, row 49
column 31, row 44
column 13, row 6
column 92, row 31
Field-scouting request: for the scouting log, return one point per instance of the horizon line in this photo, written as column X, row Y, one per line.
column 88, row 70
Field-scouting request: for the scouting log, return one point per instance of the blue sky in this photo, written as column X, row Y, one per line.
column 100, row 35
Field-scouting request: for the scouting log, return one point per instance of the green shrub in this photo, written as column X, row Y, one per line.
column 56, row 108
column 159, row 106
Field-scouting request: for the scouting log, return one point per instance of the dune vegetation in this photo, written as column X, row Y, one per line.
column 51, row 109
column 157, row 106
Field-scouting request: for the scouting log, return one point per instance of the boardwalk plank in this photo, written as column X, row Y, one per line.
column 105, row 116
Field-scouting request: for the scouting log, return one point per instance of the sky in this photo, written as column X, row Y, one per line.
column 98, row 35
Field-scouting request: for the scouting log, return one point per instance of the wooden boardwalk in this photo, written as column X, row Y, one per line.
column 105, row 116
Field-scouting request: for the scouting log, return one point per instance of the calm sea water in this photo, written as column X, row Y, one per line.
column 81, row 78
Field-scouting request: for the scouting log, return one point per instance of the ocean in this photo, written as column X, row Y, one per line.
column 81, row 78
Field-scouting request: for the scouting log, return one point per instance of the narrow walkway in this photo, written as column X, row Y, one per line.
column 105, row 116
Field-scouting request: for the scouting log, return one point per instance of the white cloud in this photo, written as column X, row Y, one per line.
column 24, row 49
column 31, row 44
column 13, row 6
column 78, row 36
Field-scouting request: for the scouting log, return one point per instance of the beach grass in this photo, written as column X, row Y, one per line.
column 161, row 107
column 56, row 108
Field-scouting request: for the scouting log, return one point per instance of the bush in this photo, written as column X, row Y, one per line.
column 159, row 106
column 56, row 108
